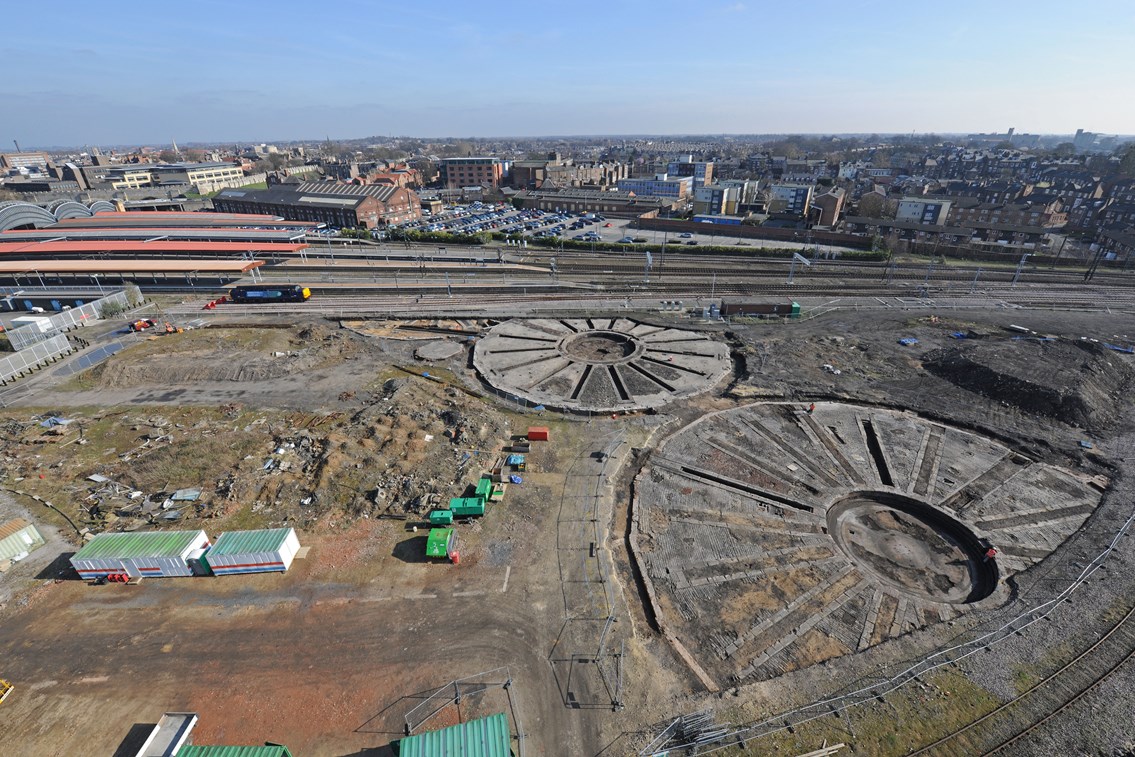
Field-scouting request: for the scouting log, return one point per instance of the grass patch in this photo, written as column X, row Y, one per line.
column 244, row 519
column 910, row 718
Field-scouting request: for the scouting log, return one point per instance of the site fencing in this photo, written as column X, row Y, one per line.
column 38, row 355
column 452, row 693
column 25, row 336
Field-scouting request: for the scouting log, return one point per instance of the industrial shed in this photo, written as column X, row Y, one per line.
column 153, row 554
column 483, row 737
column 17, row 539
column 262, row 551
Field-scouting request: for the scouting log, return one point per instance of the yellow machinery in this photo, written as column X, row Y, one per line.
column 5, row 689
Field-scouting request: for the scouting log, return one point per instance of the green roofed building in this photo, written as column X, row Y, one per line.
column 484, row 737
column 141, row 553
column 260, row 551
column 17, row 539
column 233, row 751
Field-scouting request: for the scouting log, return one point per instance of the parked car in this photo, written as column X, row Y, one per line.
column 686, row 235
column 626, row 240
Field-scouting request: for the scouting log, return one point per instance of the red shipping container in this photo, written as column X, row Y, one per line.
column 537, row 433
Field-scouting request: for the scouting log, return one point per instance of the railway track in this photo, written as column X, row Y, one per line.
column 1045, row 700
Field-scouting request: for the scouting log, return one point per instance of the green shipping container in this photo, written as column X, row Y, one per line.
column 484, row 487
column 441, row 517
column 467, row 506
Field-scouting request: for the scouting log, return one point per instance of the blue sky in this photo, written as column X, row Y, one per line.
column 145, row 73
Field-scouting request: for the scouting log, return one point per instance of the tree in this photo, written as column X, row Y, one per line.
column 1127, row 162
column 871, row 205
column 1064, row 150
column 167, row 156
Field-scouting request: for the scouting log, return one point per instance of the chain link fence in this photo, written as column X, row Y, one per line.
column 27, row 360
column 25, row 336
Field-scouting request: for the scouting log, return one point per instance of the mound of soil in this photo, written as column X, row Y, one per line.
column 1079, row 383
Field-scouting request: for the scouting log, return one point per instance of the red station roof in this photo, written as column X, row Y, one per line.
column 182, row 265
column 79, row 247
column 131, row 219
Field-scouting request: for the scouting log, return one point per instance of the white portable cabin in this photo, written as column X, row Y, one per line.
column 262, row 551
column 169, row 735
column 17, row 539
column 150, row 554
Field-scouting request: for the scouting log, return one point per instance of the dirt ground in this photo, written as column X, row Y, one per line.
column 337, row 433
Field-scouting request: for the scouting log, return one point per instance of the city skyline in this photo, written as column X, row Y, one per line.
column 149, row 74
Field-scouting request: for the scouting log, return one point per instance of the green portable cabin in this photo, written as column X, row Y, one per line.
column 484, row 488
column 193, row 750
column 441, row 517
column 463, row 507
column 441, row 543
column 483, row 737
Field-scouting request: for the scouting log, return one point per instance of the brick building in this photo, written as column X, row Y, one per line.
column 341, row 205
column 614, row 204
column 468, row 172
column 1046, row 212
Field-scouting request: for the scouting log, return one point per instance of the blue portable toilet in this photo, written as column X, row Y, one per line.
column 56, row 305
column 78, row 303
column 28, row 305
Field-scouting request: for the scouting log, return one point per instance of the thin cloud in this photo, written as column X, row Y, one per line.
column 736, row 8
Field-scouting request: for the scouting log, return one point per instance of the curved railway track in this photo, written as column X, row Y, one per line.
column 1047, row 699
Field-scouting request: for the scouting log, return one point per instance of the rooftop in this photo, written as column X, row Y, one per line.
column 12, row 527
column 91, row 246
column 323, row 192
column 244, row 542
column 132, row 265
column 138, row 544
column 233, row 751
column 484, row 737
column 178, row 219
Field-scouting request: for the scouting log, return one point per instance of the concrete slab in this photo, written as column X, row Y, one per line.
column 441, row 349
column 599, row 365
column 775, row 538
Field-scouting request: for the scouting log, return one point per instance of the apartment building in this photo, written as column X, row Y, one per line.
column 469, row 172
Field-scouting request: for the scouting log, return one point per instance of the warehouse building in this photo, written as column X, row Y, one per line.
column 368, row 206
column 614, row 204
column 150, row 554
column 263, row 551
column 18, row 538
